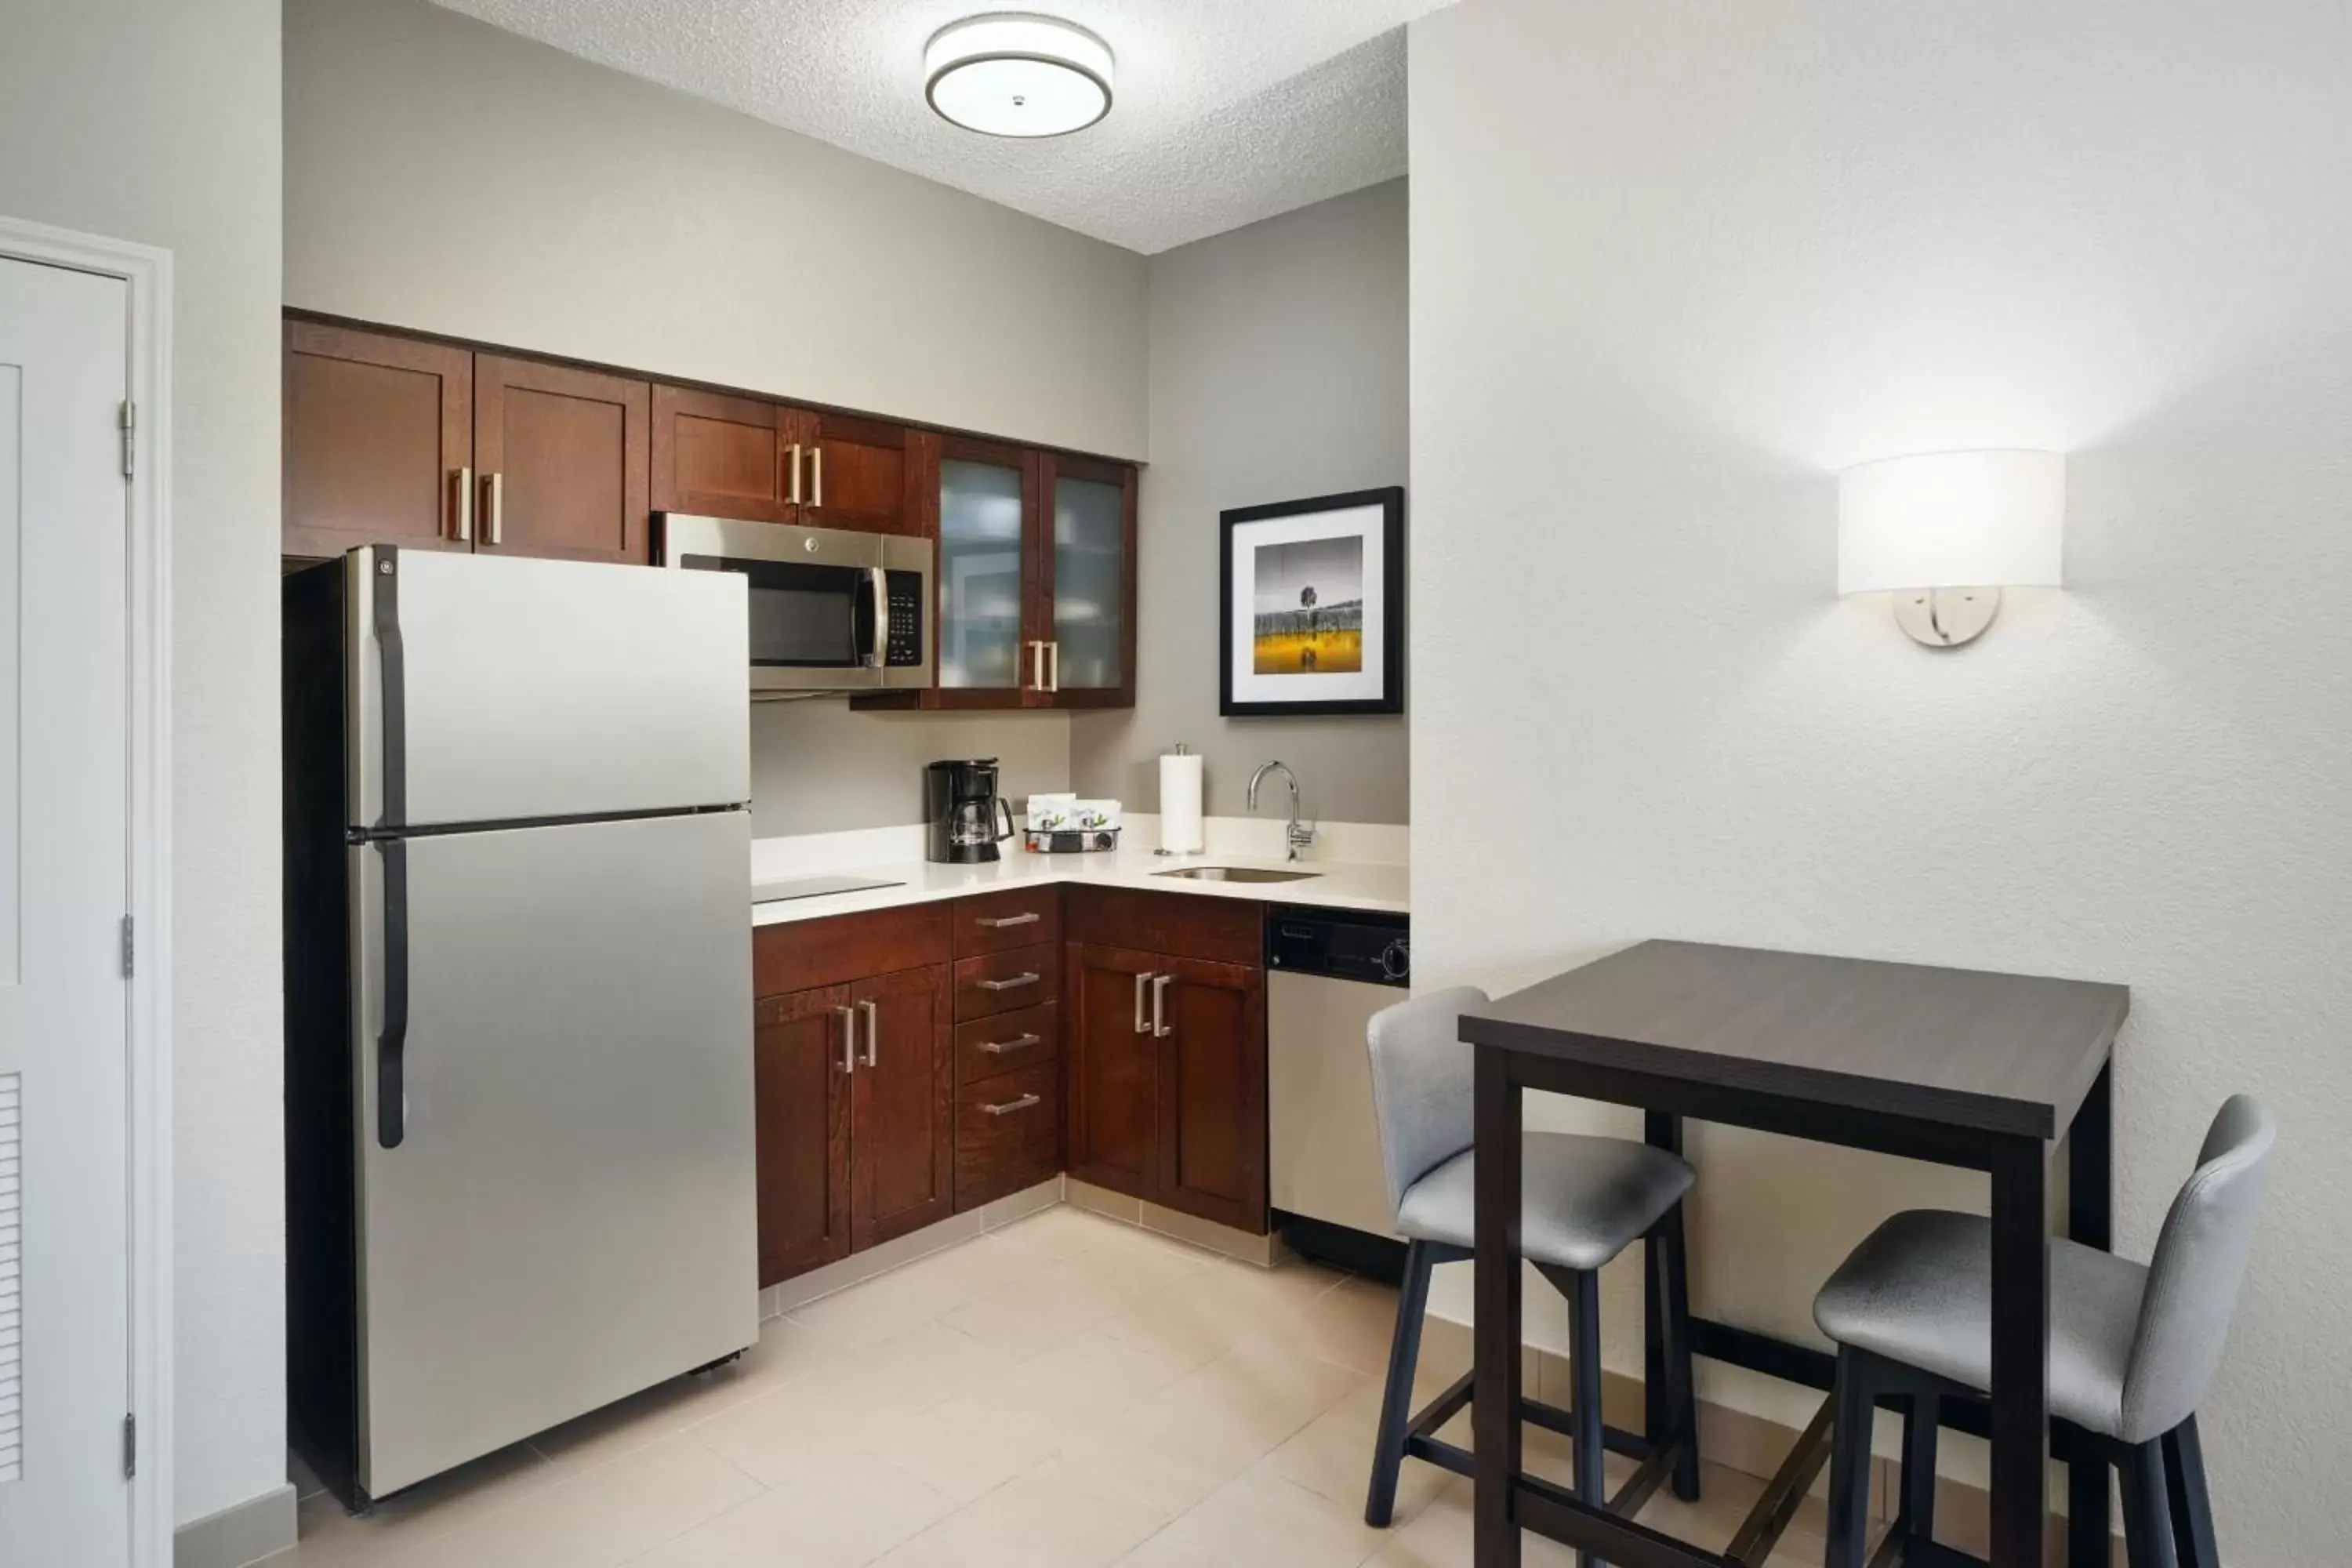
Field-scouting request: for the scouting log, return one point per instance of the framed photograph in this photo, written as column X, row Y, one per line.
column 1313, row 612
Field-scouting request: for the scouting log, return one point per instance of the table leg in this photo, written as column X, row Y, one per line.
column 1494, row 1408
column 1664, row 1250
column 2090, row 1219
column 2020, row 1351
column 1661, row 1131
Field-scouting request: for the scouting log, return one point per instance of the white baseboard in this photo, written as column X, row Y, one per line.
column 245, row 1532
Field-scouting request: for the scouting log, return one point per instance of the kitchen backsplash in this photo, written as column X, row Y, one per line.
column 816, row 767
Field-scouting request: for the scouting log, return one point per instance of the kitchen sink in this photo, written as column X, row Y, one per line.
column 1236, row 874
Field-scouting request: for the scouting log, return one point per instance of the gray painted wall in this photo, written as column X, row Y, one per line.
column 816, row 767
column 157, row 121
column 443, row 175
column 1277, row 368
column 1676, row 264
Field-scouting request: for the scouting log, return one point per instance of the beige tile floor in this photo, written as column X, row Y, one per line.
column 1065, row 1393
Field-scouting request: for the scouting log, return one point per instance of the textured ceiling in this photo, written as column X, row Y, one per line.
column 1227, row 111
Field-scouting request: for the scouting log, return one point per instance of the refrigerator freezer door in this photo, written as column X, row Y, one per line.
column 499, row 689
column 568, row 1215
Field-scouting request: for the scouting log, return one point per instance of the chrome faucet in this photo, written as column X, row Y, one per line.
column 1297, row 836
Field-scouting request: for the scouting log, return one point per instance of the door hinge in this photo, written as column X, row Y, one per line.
column 130, row 947
column 129, row 1446
column 129, row 423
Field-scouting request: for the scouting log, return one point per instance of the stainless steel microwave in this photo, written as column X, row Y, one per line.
column 831, row 610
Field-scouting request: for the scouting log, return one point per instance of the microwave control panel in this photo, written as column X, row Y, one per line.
column 906, row 634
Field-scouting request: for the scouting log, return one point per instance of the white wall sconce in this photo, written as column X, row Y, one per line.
column 1946, row 532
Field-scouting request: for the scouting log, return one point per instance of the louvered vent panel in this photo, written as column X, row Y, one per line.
column 11, row 1280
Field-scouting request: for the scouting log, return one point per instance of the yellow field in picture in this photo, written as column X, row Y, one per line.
column 1307, row 653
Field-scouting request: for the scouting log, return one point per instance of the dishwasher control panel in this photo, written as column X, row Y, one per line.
column 1340, row 945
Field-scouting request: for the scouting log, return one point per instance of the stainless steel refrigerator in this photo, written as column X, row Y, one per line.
column 519, row 1180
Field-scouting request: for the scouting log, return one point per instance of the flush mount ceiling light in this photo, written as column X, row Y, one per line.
column 1945, row 533
column 1013, row 74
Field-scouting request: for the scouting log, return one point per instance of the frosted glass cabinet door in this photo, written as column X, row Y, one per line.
column 983, row 503
column 1093, row 573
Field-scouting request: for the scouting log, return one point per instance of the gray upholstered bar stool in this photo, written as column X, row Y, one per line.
column 2131, row 1348
column 1586, row 1200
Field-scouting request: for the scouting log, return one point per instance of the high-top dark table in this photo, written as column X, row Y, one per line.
column 1952, row 1065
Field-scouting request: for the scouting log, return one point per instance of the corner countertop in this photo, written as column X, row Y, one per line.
column 1378, row 881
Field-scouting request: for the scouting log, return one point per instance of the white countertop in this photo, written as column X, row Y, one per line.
column 1341, row 879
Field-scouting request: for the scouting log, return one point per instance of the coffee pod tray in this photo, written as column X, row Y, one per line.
column 1071, row 840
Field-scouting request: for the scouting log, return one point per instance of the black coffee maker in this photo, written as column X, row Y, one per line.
column 963, row 809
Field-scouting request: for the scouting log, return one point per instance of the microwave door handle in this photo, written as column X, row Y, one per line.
column 879, row 656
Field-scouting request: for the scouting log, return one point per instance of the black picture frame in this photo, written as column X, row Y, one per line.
column 1390, row 633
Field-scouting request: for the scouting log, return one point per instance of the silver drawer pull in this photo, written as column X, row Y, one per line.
column 1018, row 981
column 1032, row 917
column 1010, row 1106
column 998, row 1048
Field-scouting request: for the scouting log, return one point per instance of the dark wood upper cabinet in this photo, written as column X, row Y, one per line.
column 1083, row 582
column 393, row 440
column 715, row 456
column 1036, row 579
column 983, row 498
column 853, row 474
column 902, row 1139
column 1111, row 1071
column 801, row 1080
column 564, row 460
column 1212, row 1090
column 378, row 434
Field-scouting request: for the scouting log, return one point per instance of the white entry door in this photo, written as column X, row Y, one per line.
column 65, row 1234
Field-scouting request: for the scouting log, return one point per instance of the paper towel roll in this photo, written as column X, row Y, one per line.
column 1179, row 803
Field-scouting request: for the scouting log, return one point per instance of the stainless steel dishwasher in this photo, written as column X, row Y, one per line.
column 1327, row 972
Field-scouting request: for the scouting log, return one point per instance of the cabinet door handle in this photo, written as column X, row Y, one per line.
column 816, row 464
column 1010, row 1106
column 1037, row 666
column 848, row 1038
column 1027, row 977
column 793, row 462
column 1160, row 1029
column 1027, row 918
column 873, row 1033
column 1140, row 982
column 998, row 1048
column 465, row 508
column 1054, row 666
column 495, row 483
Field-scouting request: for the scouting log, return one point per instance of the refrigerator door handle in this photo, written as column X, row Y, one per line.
column 391, row 666
column 392, row 1042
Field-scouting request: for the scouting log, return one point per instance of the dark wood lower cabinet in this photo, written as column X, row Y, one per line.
column 802, row 1083
column 1114, row 1118
column 902, row 1133
column 976, row 1078
column 1008, row 1133
column 1166, row 1080
column 1210, row 1019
